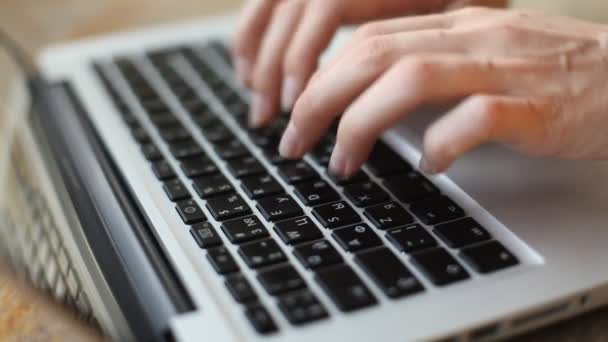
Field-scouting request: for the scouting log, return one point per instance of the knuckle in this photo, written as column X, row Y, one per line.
column 487, row 112
column 416, row 70
column 374, row 51
column 366, row 31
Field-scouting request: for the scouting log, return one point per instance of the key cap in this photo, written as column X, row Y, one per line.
column 221, row 260
column 356, row 237
column 317, row 254
column 247, row 166
column 244, row 229
column 259, row 186
column 214, row 185
column 316, row 192
column 273, row 156
column 439, row 266
column 190, row 212
column 174, row 133
column 365, row 194
column 198, row 166
column 205, row 120
column 140, row 134
column 175, row 190
column 185, row 149
column 260, row 319
column 388, row 215
column 436, row 209
column 489, row 257
column 322, row 153
column 301, row 307
column 345, row 288
column 262, row 253
column 383, row 161
column 297, row 230
column 410, row 239
column 336, row 214
column 151, row 152
column 205, row 235
column 293, row 173
column 360, row 176
column 240, row 289
column 162, row 170
column 463, row 232
column 227, row 206
column 278, row 207
column 389, row 273
column 410, row 187
column 218, row 133
column 231, row 149
column 280, row 279
column 163, row 120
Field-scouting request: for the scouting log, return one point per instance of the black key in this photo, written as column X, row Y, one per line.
column 164, row 119
column 365, row 194
column 218, row 133
column 388, row 215
column 336, row 214
column 231, row 149
column 198, row 166
column 322, row 153
column 176, row 190
column 489, row 257
column 244, row 229
column 195, row 105
column 140, row 134
column 206, row 120
column 436, row 209
column 240, row 289
column 174, row 133
column 151, row 152
column 345, row 288
column 410, row 239
column 261, row 186
column 205, row 235
column 357, row 237
column 280, row 279
column 410, row 187
column 185, row 149
column 462, row 232
column 237, row 108
column 190, row 212
column 228, row 206
column 316, row 192
column 389, row 273
column 360, row 176
column 317, row 254
column 439, row 266
column 275, row 158
column 162, row 170
column 221, row 260
column 213, row 185
column 247, row 166
column 260, row 319
column 278, row 207
column 297, row 172
column 297, row 230
column 384, row 161
column 301, row 307
column 262, row 253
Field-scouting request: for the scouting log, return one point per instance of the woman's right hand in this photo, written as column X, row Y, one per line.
column 278, row 43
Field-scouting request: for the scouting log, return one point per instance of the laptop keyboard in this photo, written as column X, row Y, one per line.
column 406, row 223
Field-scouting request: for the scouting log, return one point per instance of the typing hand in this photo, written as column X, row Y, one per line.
column 278, row 43
column 533, row 82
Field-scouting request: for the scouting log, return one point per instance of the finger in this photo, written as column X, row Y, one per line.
column 267, row 73
column 413, row 82
column 252, row 25
column 330, row 94
column 514, row 121
column 317, row 27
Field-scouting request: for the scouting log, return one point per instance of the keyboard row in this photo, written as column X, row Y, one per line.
column 332, row 204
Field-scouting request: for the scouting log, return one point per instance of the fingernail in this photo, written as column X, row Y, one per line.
column 290, row 143
column 259, row 109
column 339, row 161
column 426, row 167
column 290, row 91
column 243, row 68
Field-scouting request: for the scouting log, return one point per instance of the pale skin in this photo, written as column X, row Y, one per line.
column 533, row 82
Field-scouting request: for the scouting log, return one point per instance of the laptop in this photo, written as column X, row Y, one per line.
column 157, row 213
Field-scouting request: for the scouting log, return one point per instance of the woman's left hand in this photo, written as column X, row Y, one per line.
column 534, row 82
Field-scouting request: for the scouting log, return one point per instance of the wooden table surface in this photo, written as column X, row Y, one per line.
column 26, row 315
